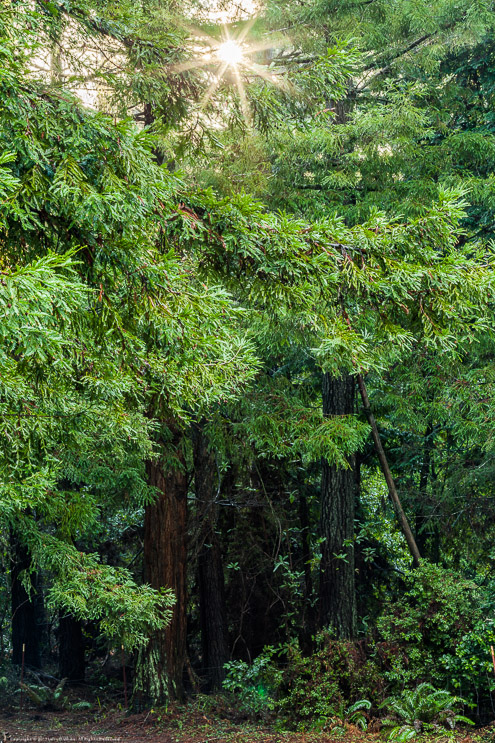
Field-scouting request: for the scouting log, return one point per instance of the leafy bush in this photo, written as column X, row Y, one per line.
column 438, row 631
column 317, row 690
column 423, row 708
column 253, row 686
column 322, row 690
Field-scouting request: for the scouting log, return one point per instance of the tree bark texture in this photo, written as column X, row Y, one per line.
column 337, row 577
column 71, row 656
column 212, row 606
column 27, row 609
column 160, row 667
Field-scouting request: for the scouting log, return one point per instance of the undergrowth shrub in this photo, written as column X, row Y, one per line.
column 317, row 690
column 439, row 631
column 331, row 686
column 436, row 638
column 253, row 687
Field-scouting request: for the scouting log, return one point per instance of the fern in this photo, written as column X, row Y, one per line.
column 422, row 708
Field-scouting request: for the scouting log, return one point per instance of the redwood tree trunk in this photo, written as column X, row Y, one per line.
column 337, row 577
column 213, row 612
column 160, row 666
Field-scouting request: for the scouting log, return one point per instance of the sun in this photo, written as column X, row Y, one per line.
column 229, row 62
column 230, row 52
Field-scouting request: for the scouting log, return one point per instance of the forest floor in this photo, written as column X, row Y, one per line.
column 179, row 724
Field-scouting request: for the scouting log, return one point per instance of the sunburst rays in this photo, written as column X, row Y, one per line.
column 229, row 61
column 230, row 52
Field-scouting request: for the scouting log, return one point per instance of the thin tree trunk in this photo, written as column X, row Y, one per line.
column 27, row 609
column 421, row 519
column 160, row 665
column 337, row 578
column 392, row 490
column 213, row 611
column 309, row 621
column 71, row 656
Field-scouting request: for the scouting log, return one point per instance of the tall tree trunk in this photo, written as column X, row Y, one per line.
column 337, row 578
column 27, row 609
column 214, row 638
column 213, row 612
column 71, row 657
column 160, row 664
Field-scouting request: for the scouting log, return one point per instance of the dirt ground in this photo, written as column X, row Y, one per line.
column 178, row 724
column 95, row 713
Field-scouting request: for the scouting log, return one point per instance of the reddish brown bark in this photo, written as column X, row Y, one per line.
column 165, row 564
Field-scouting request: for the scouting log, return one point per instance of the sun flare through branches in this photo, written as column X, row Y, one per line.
column 229, row 61
column 230, row 52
